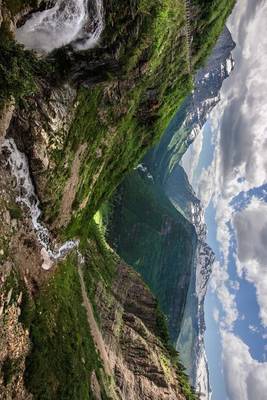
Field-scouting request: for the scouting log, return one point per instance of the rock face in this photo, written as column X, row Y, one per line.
column 41, row 129
column 141, row 367
column 5, row 118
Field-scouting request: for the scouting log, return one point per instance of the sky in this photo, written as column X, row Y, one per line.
column 229, row 174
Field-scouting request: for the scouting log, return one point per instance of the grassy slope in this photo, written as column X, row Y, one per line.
column 20, row 70
column 122, row 117
column 149, row 234
column 63, row 354
column 210, row 19
column 127, row 114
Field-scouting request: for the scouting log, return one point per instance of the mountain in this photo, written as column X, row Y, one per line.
column 151, row 235
column 190, row 342
column 86, row 88
column 163, row 163
column 161, row 175
column 208, row 83
column 193, row 113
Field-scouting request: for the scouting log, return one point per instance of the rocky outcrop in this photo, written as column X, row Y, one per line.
column 14, row 336
column 5, row 118
column 41, row 128
column 129, row 323
column 14, row 341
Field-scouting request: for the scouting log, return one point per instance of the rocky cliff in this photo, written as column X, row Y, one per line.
column 76, row 116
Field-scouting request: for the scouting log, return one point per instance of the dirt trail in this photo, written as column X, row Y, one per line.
column 71, row 187
column 95, row 332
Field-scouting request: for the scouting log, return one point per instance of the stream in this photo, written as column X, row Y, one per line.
column 18, row 164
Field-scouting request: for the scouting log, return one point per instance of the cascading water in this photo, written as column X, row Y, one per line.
column 76, row 22
column 20, row 169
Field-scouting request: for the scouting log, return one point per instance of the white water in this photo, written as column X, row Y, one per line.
column 69, row 21
column 20, row 169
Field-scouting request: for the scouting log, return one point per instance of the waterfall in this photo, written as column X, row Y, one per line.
column 76, row 22
column 26, row 195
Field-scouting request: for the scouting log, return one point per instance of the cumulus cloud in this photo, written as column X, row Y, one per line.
column 216, row 314
column 243, row 123
column 253, row 328
column 245, row 377
column 240, row 164
column 251, row 232
column 230, row 313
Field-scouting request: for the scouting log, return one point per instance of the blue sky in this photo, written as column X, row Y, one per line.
column 227, row 166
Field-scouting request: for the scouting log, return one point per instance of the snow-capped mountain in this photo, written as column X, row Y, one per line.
column 190, row 343
column 161, row 167
column 194, row 112
column 163, row 162
column 206, row 95
column 208, row 83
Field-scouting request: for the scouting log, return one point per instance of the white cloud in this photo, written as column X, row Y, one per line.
column 234, row 285
column 216, row 314
column 253, row 328
column 227, row 299
column 205, row 187
column 245, row 377
column 251, row 232
column 240, row 164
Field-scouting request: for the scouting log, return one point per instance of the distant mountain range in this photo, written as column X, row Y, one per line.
column 175, row 262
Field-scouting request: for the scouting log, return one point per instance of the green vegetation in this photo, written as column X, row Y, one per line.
column 101, row 261
column 14, row 211
column 207, row 26
column 118, row 118
column 174, row 357
column 150, row 235
column 9, row 369
column 100, row 266
column 19, row 69
column 121, row 117
column 126, row 113
column 63, row 355
column 187, row 389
